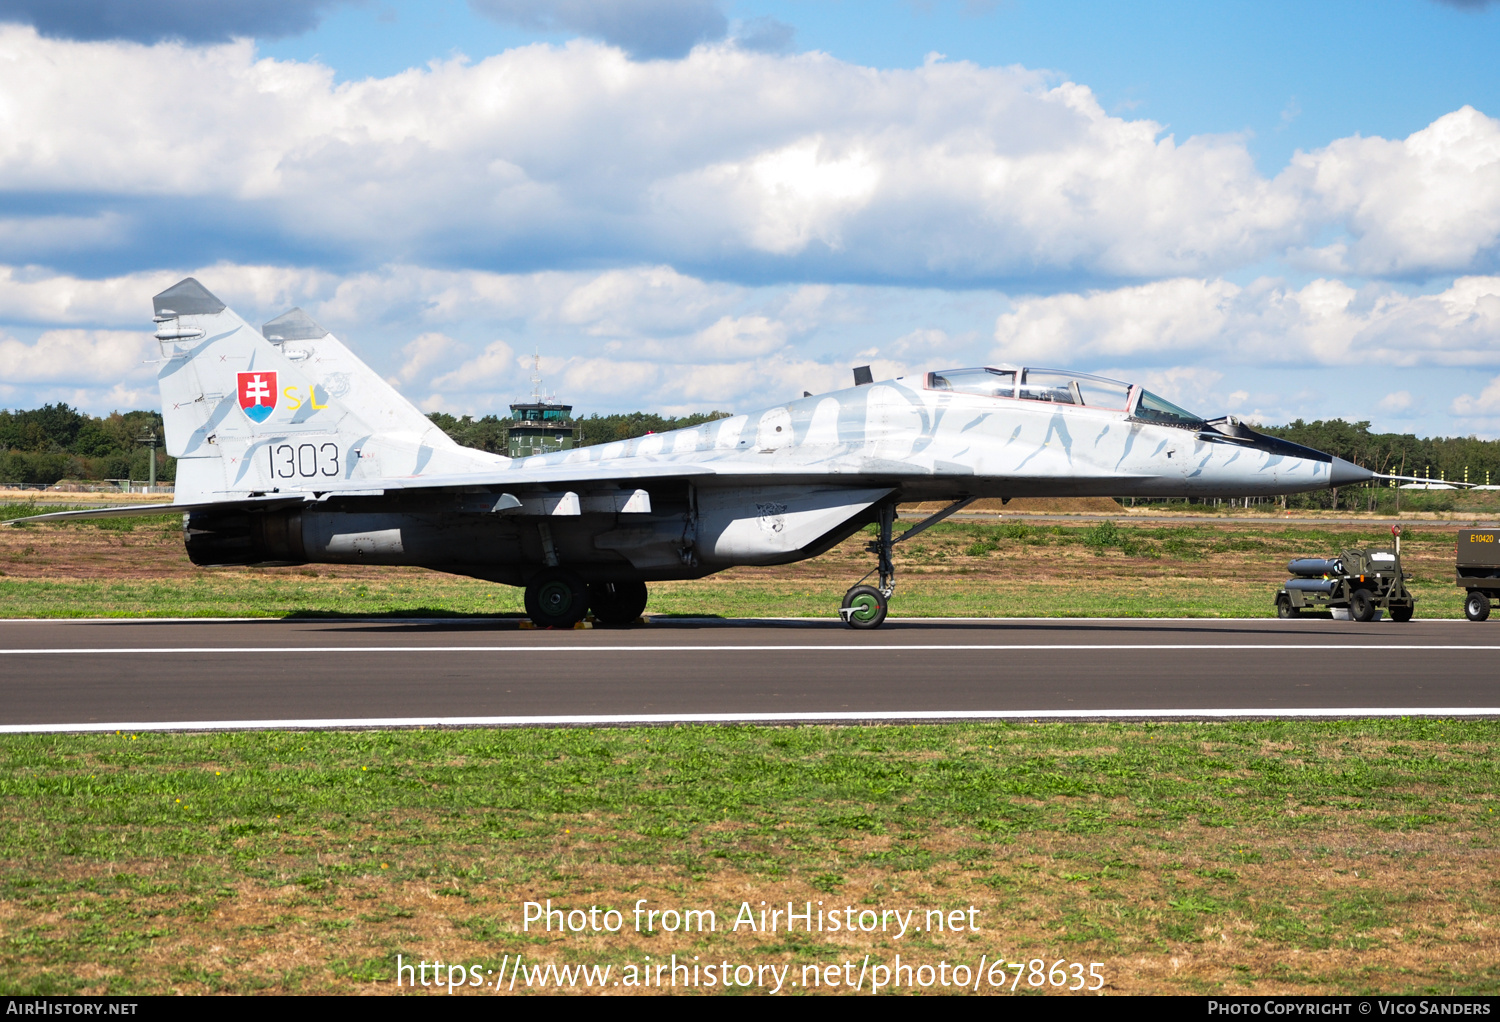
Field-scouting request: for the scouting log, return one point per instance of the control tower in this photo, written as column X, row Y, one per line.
column 541, row 425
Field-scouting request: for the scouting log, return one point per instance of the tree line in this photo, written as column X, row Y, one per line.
column 1397, row 453
column 56, row 442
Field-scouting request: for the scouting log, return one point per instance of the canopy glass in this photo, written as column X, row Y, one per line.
column 1058, row 386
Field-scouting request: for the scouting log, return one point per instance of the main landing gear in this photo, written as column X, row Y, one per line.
column 559, row 598
column 617, row 603
column 865, row 606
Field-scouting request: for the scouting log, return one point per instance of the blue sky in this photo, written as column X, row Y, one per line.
column 1291, row 75
column 1273, row 209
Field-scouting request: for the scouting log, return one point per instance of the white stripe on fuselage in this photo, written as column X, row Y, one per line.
column 983, row 445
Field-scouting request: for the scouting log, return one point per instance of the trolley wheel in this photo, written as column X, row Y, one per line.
column 1399, row 613
column 1284, row 608
column 556, row 598
column 617, row 603
column 1361, row 605
column 1476, row 606
column 863, row 607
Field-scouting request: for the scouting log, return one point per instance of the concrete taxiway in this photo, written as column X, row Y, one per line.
column 98, row 675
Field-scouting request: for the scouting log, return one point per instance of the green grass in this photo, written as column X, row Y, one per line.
column 441, row 596
column 255, row 595
column 1247, row 845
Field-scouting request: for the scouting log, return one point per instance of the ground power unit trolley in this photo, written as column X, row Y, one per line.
column 1479, row 570
column 1363, row 581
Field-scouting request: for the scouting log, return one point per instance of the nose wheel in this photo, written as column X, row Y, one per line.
column 865, row 606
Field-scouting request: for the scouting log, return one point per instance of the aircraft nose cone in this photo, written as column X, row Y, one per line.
column 1345, row 473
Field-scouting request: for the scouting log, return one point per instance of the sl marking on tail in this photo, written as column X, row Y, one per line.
column 293, row 397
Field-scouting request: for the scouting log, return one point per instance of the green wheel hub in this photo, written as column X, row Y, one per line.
column 864, row 608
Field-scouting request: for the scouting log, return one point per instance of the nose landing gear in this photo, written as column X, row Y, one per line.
column 865, row 606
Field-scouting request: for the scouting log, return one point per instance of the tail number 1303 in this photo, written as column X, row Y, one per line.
column 303, row 461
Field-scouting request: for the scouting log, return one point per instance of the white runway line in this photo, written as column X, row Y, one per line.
column 661, row 621
column 871, row 647
column 844, row 717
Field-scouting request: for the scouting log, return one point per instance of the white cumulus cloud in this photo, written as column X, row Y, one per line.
column 1396, row 402
column 1326, row 322
column 494, row 367
column 751, row 164
column 77, row 357
column 424, row 354
column 1426, row 203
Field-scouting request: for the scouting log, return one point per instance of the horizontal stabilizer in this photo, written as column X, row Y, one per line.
column 269, row 503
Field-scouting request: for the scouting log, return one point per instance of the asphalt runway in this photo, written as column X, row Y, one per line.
column 138, row 675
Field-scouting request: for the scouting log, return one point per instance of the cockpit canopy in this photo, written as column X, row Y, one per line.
column 1065, row 388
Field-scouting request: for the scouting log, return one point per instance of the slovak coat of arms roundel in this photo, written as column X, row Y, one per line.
column 257, row 392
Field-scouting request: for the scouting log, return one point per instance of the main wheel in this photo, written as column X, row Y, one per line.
column 1476, row 606
column 1361, row 605
column 617, row 603
column 1399, row 613
column 556, row 598
column 864, row 607
column 1285, row 609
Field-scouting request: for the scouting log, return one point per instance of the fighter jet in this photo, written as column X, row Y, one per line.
column 291, row 451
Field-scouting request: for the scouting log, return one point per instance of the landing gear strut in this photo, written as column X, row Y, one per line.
column 865, row 606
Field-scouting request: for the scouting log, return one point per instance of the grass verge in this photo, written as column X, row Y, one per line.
column 1277, row 857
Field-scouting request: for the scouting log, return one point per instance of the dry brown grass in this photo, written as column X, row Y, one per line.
column 1258, row 858
column 1432, row 923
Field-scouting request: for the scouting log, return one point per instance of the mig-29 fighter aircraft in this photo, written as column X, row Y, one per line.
column 290, row 450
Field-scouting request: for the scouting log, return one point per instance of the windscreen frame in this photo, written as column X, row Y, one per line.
column 1188, row 420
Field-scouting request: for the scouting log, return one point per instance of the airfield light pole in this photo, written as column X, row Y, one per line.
column 149, row 438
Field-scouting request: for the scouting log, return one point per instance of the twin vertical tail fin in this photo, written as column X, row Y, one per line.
column 248, row 413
